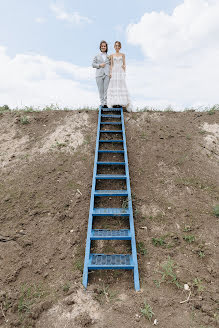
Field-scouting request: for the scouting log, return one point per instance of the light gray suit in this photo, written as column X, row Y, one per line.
column 102, row 76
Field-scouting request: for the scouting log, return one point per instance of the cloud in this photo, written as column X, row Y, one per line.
column 34, row 80
column 181, row 52
column 74, row 17
column 40, row 20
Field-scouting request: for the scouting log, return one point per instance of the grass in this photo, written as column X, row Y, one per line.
column 201, row 254
column 194, row 182
column 158, row 241
column 168, row 273
column 106, row 294
column 125, row 203
column 147, row 311
column 216, row 210
column 187, row 228
column 168, row 109
column 197, row 283
column 24, row 120
column 79, row 265
column 4, row 108
column 87, row 140
column 143, row 136
column 66, row 287
column 141, row 248
column 29, row 295
column 189, row 238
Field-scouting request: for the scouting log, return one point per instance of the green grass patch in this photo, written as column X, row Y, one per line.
column 189, row 238
column 147, row 311
column 168, row 273
column 216, row 210
column 141, row 248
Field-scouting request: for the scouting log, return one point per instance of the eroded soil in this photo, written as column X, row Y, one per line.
column 46, row 166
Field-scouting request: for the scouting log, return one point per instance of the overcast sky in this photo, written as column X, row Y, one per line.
column 47, row 47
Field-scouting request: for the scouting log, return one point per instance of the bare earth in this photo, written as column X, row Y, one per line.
column 46, row 171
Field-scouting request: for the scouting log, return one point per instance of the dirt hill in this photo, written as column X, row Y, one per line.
column 46, row 161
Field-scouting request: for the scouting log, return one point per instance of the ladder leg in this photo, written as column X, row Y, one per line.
column 136, row 279
column 85, row 277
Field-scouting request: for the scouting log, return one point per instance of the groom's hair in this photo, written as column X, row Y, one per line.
column 105, row 43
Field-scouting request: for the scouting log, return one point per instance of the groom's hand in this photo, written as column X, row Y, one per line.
column 102, row 65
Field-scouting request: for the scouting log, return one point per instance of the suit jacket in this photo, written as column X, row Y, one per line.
column 100, row 71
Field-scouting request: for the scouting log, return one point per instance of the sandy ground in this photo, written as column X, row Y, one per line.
column 46, row 164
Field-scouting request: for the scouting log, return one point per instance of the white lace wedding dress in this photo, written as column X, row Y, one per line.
column 117, row 93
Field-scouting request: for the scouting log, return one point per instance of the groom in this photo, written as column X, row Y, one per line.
column 102, row 64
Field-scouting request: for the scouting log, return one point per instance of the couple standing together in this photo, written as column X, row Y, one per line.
column 110, row 77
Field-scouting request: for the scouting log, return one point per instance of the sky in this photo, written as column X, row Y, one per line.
column 47, row 48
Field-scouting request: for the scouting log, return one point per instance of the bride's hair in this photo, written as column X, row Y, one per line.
column 105, row 43
column 119, row 43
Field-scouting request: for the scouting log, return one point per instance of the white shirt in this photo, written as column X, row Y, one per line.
column 103, row 54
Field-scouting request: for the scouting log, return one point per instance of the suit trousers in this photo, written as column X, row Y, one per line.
column 102, row 84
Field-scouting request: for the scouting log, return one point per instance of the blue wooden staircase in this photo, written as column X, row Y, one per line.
column 112, row 117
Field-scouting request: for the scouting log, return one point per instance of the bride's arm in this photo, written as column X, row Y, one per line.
column 111, row 65
column 123, row 66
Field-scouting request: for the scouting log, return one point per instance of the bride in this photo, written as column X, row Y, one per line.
column 117, row 93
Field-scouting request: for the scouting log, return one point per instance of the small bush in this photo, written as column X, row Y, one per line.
column 216, row 210
column 147, row 311
column 189, row 238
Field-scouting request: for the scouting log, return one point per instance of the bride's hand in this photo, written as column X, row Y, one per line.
column 123, row 66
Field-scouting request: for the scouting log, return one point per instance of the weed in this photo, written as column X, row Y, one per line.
column 201, row 254
column 187, row 228
column 125, row 203
column 189, row 238
column 141, row 248
column 168, row 273
column 147, row 311
column 158, row 241
column 4, row 108
column 79, row 265
column 157, row 283
column 168, row 109
column 202, row 131
column 28, row 296
column 60, row 145
column 143, row 136
column 29, row 109
column 87, row 140
column 211, row 112
column 106, row 294
column 194, row 182
column 66, row 287
column 188, row 137
column 216, row 210
column 24, row 120
column 198, row 284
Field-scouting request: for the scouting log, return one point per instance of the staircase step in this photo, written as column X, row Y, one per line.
column 103, row 234
column 110, row 140
column 111, row 211
column 117, row 261
column 111, row 163
column 112, row 116
column 111, row 193
column 111, row 109
column 109, row 131
column 112, row 123
column 111, row 176
column 111, row 151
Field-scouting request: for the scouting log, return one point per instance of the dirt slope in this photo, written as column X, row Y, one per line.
column 46, row 164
